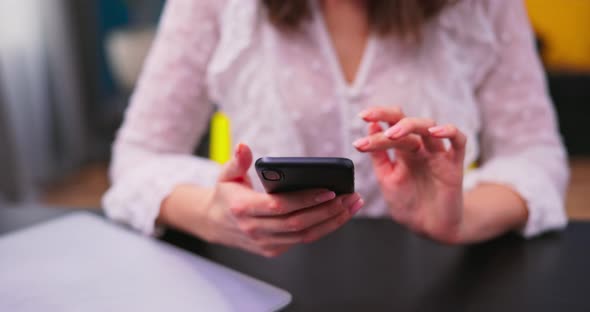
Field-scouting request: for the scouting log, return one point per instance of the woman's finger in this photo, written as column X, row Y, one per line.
column 286, row 203
column 379, row 142
column 329, row 226
column 456, row 137
column 417, row 126
column 389, row 114
column 275, row 251
column 380, row 159
column 256, row 204
column 236, row 170
column 303, row 219
column 269, row 251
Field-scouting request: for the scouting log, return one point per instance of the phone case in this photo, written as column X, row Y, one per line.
column 287, row 174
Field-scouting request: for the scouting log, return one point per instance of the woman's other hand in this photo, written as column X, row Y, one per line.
column 423, row 183
column 267, row 224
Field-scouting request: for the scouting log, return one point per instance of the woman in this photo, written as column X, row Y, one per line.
column 455, row 84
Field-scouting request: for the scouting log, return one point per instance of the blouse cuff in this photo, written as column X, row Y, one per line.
column 544, row 201
column 135, row 198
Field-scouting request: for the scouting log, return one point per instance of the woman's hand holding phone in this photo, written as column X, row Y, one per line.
column 270, row 224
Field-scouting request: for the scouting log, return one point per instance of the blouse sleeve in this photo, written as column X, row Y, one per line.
column 520, row 142
column 168, row 113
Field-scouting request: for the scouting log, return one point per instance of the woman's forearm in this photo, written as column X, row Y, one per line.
column 185, row 208
column 491, row 210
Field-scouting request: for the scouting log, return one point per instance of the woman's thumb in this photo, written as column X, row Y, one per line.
column 236, row 170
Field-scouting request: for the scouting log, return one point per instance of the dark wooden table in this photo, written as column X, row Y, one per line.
column 375, row 265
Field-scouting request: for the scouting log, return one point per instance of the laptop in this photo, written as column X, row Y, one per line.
column 81, row 262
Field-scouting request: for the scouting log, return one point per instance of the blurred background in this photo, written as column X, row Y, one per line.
column 67, row 68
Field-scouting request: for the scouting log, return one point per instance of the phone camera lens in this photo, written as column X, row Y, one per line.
column 271, row 175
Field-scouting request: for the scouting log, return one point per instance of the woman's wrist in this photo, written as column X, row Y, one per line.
column 186, row 209
column 490, row 210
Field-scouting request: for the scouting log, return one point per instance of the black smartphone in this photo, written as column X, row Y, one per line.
column 287, row 174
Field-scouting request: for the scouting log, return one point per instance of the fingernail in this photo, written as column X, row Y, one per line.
column 325, row 196
column 349, row 201
column 436, row 130
column 393, row 132
column 360, row 143
column 365, row 114
column 357, row 206
column 238, row 149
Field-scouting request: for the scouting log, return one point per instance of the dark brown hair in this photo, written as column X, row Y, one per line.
column 400, row 17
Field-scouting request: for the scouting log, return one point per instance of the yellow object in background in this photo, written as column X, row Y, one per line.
column 220, row 139
column 564, row 27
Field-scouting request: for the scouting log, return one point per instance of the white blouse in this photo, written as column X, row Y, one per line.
column 476, row 67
